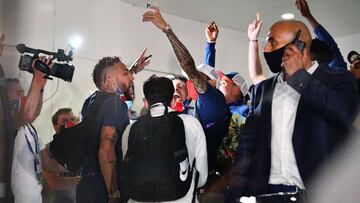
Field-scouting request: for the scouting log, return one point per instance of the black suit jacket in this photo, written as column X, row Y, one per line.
column 326, row 109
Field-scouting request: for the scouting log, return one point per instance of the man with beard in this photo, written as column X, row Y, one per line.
column 101, row 168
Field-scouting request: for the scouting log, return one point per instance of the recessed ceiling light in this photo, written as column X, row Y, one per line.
column 287, row 16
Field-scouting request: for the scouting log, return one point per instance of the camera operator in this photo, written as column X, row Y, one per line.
column 29, row 155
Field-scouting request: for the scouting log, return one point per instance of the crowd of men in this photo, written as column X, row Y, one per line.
column 207, row 137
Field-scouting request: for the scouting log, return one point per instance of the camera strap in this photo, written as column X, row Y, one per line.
column 35, row 152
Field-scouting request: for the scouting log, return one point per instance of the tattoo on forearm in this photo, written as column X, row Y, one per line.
column 111, row 139
column 186, row 62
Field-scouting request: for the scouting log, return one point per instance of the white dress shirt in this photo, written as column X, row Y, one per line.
column 285, row 102
column 196, row 146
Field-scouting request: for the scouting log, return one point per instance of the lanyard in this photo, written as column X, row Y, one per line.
column 37, row 163
column 36, row 139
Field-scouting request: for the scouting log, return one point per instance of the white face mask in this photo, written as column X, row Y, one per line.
column 115, row 87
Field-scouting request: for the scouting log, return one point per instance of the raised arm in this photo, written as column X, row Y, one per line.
column 140, row 63
column 33, row 103
column 337, row 63
column 182, row 54
column 211, row 33
column 303, row 7
column 255, row 68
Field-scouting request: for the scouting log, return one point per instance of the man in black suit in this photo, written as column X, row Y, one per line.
column 297, row 118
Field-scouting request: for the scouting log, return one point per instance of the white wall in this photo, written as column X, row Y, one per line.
column 109, row 27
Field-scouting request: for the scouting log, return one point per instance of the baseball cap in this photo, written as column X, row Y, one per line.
column 209, row 71
column 353, row 56
column 239, row 80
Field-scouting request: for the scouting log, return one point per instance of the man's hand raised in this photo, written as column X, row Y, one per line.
column 294, row 60
column 211, row 32
column 303, row 7
column 154, row 16
column 39, row 76
column 140, row 62
column 254, row 28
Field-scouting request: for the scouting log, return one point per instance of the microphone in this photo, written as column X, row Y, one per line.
column 22, row 49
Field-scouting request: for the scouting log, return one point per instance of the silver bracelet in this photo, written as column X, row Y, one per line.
column 115, row 195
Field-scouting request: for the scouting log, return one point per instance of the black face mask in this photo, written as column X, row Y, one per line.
column 274, row 59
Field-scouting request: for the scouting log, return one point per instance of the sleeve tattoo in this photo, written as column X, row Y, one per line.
column 110, row 140
column 186, row 62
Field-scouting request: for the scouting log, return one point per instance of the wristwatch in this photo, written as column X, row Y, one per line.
column 166, row 28
column 115, row 195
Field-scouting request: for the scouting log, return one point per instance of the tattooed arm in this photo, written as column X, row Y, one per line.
column 182, row 54
column 107, row 158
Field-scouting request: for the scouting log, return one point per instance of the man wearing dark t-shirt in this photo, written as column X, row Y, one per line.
column 99, row 181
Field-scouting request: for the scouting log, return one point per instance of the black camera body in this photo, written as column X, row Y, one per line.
column 64, row 71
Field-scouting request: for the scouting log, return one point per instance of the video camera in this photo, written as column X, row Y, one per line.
column 62, row 70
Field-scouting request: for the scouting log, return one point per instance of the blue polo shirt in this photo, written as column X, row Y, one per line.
column 239, row 108
column 211, row 107
column 189, row 107
column 214, row 116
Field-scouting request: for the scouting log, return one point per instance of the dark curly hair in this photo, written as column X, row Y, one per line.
column 101, row 66
column 158, row 89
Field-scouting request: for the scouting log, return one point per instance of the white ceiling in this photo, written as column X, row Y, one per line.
column 339, row 17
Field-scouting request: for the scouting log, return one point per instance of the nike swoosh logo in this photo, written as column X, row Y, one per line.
column 184, row 169
column 183, row 175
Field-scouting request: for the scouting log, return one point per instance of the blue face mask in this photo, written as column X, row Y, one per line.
column 129, row 104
